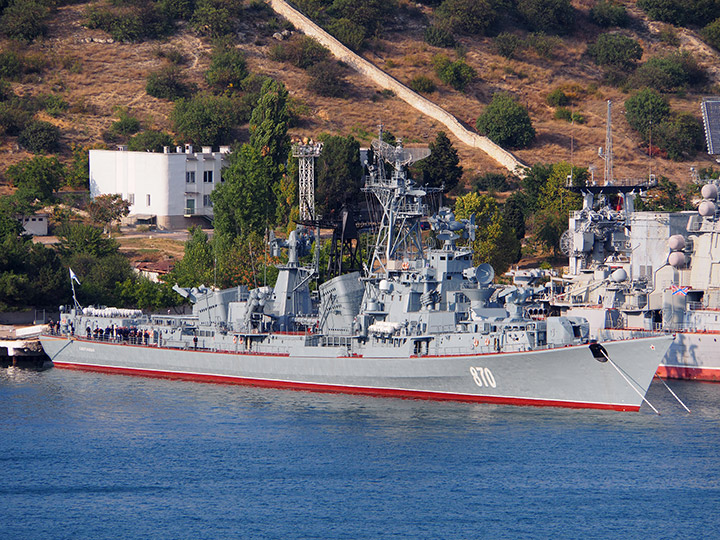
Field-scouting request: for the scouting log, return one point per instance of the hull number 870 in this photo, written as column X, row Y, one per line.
column 483, row 377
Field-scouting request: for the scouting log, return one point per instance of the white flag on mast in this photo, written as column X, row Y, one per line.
column 73, row 276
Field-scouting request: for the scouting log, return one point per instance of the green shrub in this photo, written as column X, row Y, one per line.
column 14, row 116
column 24, row 20
column 506, row 122
column 607, row 13
column 711, row 34
column 39, row 136
column 544, row 46
column 348, row 32
column 172, row 55
column 150, row 140
column 212, row 19
column 11, row 65
column 53, row 104
column 132, row 23
column 563, row 113
column 644, row 109
column 228, row 69
column 670, row 73
column 491, row 182
column 557, row 98
column 548, row 16
column 615, row 50
column 507, row 44
column 178, row 9
column 167, row 83
column 422, row 84
column 326, row 79
column 472, row 17
column 456, row 74
column 439, row 37
column 300, row 51
column 679, row 12
column 681, row 137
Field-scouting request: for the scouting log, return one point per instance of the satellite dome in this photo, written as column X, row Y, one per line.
column 709, row 191
column 619, row 275
column 676, row 259
column 676, row 242
column 706, row 208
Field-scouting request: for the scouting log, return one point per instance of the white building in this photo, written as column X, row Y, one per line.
column 171, row 189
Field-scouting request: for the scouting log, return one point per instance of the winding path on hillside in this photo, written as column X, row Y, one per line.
column 425, row 106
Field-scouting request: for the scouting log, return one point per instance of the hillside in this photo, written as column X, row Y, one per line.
column 95, row 75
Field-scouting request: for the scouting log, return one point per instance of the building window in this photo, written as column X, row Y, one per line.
column 131, row 198
column 147, row 200
column 207, row 201
column 189, row 207
column 190, row 177
column 207, row 177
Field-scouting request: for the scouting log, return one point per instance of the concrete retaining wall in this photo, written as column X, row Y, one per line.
column 342, row 53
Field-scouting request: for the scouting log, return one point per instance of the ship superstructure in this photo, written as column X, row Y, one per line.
column 418, row 322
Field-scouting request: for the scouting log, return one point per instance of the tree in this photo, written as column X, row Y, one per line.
column 711, row 34
column 338, row 174
column 196, row 266
column 665, row 197
column 269, row 124
column 442, row 167
column 300, row 51
column 39, row 176
column 212, row 18
column 555, row 202
column 326, row 79
column 615, row 50
column 645, row 109
column 515, row 212
column 105, row 209
column 244, row 201
column 495, row 242
column 205, row 119
column 150, row 141
column 506, row 122
column 78, row 239
column 349, row 33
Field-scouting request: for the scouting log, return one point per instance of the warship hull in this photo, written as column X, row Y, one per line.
column 559, row 377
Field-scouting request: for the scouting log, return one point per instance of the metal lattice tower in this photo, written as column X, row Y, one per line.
column 306, row 152
column 608, row 147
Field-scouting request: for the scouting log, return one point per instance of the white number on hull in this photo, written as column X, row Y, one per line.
column 483, row 377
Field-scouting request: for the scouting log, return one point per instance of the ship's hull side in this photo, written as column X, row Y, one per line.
column 694, row 356
column 564, row 377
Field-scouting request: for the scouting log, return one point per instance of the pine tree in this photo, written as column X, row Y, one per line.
column 441, row 167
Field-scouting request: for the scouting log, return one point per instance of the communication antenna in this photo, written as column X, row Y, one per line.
column 306, row 152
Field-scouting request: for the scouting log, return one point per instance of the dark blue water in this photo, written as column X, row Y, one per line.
column 88, row 456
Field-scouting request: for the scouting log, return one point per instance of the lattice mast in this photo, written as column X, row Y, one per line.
column 608, row 147
column 306, row 152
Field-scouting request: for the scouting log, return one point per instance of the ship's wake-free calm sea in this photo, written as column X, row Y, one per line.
column 92, row 456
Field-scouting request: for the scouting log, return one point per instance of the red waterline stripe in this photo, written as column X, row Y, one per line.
column 337, row 389
column 689, row 373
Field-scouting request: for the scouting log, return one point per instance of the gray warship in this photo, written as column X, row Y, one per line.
column 630, row 271
column 418, row 322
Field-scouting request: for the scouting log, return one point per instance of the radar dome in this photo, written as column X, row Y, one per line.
column 619, row 275
column 706, row 209
column 709, row 191
column 676, row 259
column 676, row 242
